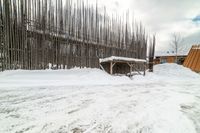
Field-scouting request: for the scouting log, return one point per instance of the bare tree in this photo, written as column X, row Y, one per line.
column 176, row 43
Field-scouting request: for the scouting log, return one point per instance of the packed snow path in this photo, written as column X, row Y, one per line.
column 90, row 101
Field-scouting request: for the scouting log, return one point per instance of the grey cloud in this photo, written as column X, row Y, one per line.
column 167, row 16
column 193, row 39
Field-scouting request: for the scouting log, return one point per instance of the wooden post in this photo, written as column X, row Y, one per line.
column 144, row 69
column 131, row 67
column 111, row 67
column 131, row 70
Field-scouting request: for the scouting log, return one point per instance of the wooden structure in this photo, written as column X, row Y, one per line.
column 193, row 59
column 168, row 57
column 66, row 34
column 123, row 65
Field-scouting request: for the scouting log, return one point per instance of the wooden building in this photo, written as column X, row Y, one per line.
column 193, row 59
column 170, row 57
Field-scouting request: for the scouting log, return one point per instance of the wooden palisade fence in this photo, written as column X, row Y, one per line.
column 36, row 33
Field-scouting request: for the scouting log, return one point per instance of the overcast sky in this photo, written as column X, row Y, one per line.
column 163, row 17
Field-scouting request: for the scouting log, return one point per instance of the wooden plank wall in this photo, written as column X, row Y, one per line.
column 36, row 33
column 193, row 59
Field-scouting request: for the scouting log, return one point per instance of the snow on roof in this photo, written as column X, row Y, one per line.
column 116, row 58
column 171, row 53
column 196, row 47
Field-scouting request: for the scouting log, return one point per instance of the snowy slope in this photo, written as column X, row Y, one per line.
column 91, row 101
column 86, row 76
column 172, row 73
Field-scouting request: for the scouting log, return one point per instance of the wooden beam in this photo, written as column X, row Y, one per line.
column 136, row 70
column 113, row 64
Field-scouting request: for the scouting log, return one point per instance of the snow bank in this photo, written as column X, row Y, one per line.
column 169, row 73
column 176, row 70
column 88, row 76
column 166, row 101
column 72, row 77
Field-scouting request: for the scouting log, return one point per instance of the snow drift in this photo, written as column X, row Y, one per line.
column 72, row 77
column 91, row 101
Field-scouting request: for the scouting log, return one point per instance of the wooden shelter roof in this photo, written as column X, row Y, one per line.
column 121, row 59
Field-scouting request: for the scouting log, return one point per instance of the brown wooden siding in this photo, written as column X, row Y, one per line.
column 169, row 59
column 193, row 59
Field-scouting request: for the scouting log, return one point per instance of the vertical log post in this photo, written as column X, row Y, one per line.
column 111, row 67
column 144, row 69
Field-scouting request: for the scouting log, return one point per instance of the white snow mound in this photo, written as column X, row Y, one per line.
column 76, row 76
column 92, row 101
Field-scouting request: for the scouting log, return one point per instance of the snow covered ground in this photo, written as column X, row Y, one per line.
column 91, row 101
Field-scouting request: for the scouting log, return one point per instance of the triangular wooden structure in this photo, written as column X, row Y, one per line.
column 193, row 59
